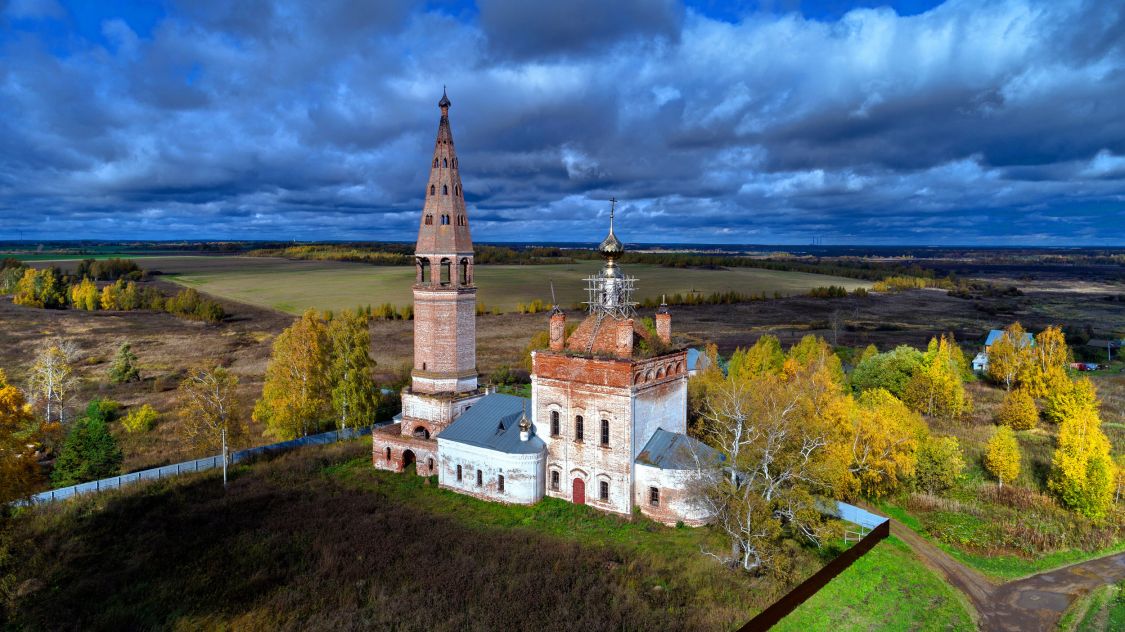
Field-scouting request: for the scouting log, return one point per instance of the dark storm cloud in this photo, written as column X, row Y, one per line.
column 1000, row 122
column 525, row 29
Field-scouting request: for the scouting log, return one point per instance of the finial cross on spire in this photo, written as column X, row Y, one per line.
column 612, row 207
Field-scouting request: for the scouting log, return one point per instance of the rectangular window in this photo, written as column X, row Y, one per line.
column 605, row 432
column 480, row 478
column 500, row 483
column 555, row 481
column 554, row 423
column 603, row 490
column 578, row 430
column 654, row 496
column 458, row 473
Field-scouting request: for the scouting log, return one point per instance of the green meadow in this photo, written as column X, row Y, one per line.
column 293, row 286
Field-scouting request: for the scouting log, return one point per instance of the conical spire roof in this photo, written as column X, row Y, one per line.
column 444, row 225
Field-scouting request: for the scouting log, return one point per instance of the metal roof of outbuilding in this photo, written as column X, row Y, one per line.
column 675, row 451
column 493, row 422
column 995, row 334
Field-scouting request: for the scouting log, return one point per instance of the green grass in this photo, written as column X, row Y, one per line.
column 887, row 589
column 293, row 286
column 1103, row 609
column 1002, row 567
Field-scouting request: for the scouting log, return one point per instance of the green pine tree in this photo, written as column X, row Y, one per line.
column 90, row 452
column 124, row 367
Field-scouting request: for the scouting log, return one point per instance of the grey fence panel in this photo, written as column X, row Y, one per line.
column 197, row 465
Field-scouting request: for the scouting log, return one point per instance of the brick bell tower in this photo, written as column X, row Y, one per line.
column 443, row 381
column 445, row 298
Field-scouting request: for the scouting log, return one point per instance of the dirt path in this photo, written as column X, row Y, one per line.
column 1023, row 605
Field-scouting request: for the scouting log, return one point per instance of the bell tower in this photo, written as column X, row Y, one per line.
column 444, row 293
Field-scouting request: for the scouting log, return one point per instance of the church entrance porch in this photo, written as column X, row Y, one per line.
column 393, row 451
column 578, row 492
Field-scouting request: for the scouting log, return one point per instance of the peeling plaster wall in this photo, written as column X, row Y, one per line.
column 524, row 480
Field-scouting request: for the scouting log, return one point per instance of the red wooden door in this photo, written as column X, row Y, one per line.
column 578, row 492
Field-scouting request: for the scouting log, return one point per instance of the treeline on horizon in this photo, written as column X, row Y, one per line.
column 403, row 254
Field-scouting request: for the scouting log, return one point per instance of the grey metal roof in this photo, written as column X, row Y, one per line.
column 493, row 422
column 675, row 451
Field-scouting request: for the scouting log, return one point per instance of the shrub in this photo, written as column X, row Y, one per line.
column 142, row 419
column 104, row 409
column 1018, row 410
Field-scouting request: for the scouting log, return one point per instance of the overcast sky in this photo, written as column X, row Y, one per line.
column 999, row 123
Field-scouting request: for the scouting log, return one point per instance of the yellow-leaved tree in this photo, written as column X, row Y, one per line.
column 1046, row 373
column 1002, row 455
column 884, row 441
column 766, row 356
column 1008, row 356
column 84, row 295
column 937, row 389
column 782, row 436
column 1082, row 473
column 295, row 397
column 1018, row 410
column 208, row 406
column 19, row 470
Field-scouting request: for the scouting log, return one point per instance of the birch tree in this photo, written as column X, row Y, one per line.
column 775, row 432
column 296, row 394
column 354, row 396
column 52, row 378
column 208, row 405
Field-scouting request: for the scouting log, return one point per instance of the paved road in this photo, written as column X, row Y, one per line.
column 1023, row 605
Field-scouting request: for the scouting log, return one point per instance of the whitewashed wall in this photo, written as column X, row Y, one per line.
column 524, row 474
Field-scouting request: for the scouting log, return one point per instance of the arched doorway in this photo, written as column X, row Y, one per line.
column 407, row 459
column 578, row 492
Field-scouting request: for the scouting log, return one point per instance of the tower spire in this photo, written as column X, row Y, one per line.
column 444, row 226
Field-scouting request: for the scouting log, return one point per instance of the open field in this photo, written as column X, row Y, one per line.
column 317, row 539
column 887, row 589
column 293, row 286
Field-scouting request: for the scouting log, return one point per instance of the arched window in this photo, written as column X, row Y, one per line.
column 432, row 189
column 445, row 271
column 554, row 423
column 435, row 162
column 603, row 490
column 605, row 432
column 457, row 189
column 445, row 189
column 458, row 473
column 388, row 453
column 555, row 480
column 429, row 219
column 480, row 478
column 430, row 463
column 500, row 483
column 444, row 162
column 464, row 271
column 454, row 163
column 654, row 496
column 423, row 270
column 578, row 429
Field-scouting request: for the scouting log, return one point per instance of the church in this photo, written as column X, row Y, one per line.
column 606, row 422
